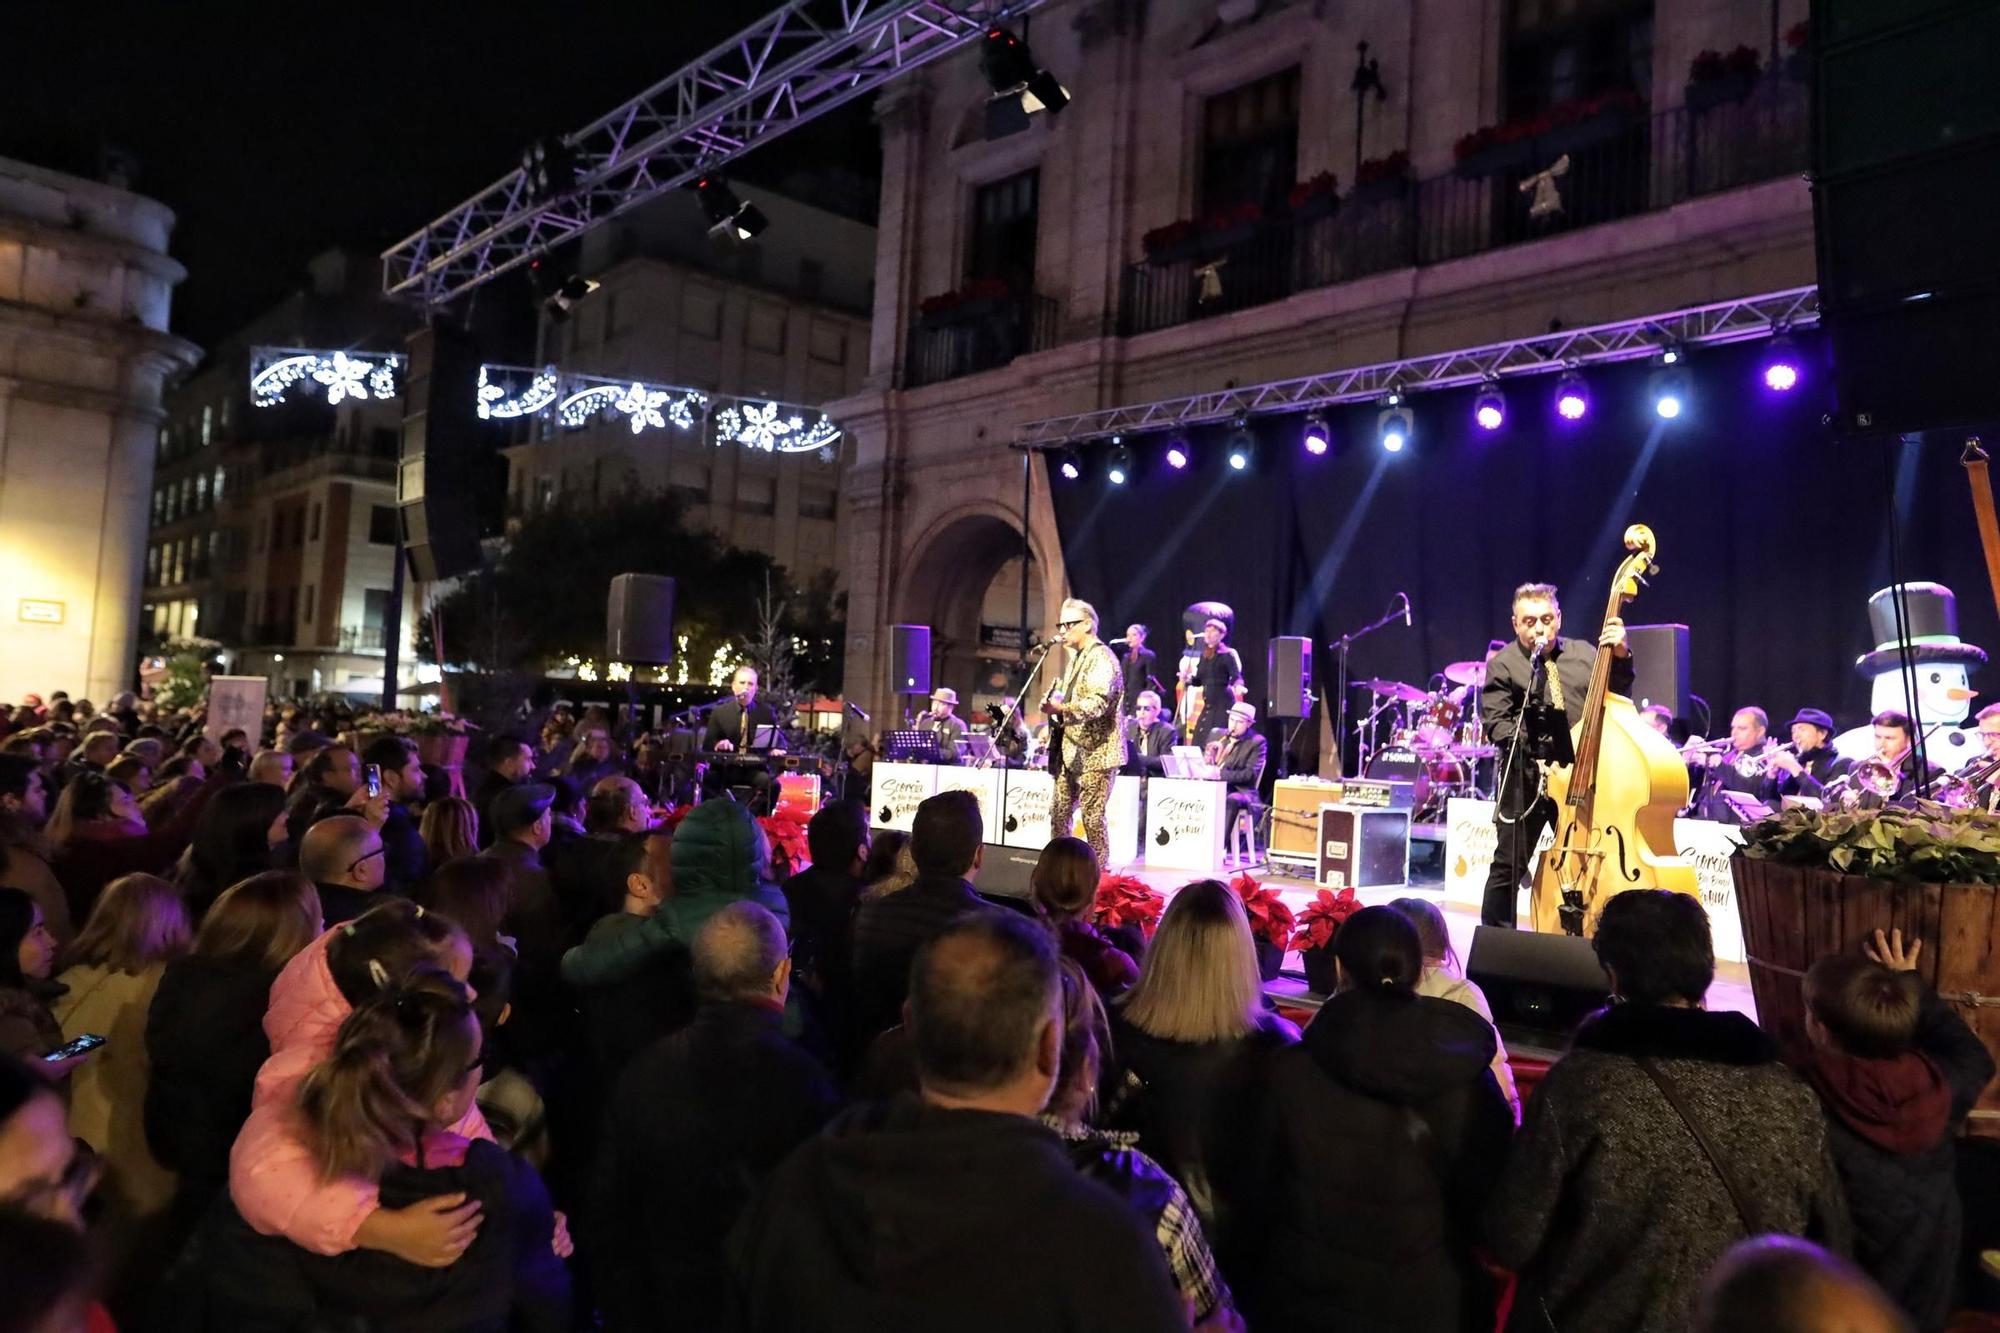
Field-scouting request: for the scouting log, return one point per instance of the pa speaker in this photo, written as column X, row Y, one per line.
column 639, row 619
column 1289, row 670
column 910, row 659
column 1007, row 872
column 450, row 474
column 1659, row 665
column 1538, row 986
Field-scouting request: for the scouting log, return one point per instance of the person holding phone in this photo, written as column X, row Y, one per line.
column 28, row 1029
column 390, row 763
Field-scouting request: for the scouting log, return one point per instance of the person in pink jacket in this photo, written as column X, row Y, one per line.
column 273, row 1177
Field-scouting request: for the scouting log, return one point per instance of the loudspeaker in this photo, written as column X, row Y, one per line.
column 1659, row 665
column 910, row 659
column 1007, row 872
column 449, row 473
column 1538, row 986
column 1906, row 138
column 639, row 619
column 1289, row 669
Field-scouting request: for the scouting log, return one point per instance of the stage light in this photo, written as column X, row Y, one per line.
column 1572, row 397
column 1021, row 89
column 1489, row 409
column 730, row 218
column 1317, row 438
column 550, row 166
column 1394, row 427
column 1069, row 465
column 1669, row 393
column 1178, row 456
column 1242, row 445
column 1781, row 365
column 1120, row 467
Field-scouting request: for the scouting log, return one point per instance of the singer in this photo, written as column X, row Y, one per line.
column 1218, row 676
column 1086, row 738
column 1541, row 670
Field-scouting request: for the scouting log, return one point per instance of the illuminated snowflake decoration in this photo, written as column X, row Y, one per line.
column 344, row 378
column 770, row 429
column 274, row 372
column 496, row 404
column 642, row 405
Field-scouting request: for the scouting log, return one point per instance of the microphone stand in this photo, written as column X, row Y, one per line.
column 1341, row 645
column 1020, row 697
column 1537, row 671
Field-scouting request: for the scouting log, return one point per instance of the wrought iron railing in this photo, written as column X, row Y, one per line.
column 979, row 336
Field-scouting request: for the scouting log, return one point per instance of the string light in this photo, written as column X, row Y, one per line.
column 275, row 372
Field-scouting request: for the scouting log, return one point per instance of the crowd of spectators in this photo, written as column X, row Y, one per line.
column 379, row 1054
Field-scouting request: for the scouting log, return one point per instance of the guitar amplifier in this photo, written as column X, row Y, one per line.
column 1362, row 848
column 1295, row 804
column 1377, row 793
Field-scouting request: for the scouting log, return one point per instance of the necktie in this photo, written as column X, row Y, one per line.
column 743, row 730
column 1555, row 682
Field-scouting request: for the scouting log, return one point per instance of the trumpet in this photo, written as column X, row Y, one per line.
column 1960, row 790
column 1756, row 763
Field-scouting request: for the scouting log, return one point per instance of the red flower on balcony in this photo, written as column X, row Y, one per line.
column 1572, row 112
column 1712, row 66
column 1796, row 35
column 1396, row 166
column 1236, row 215
column 1324, row 183
column 1169, row 236
column 979, row 289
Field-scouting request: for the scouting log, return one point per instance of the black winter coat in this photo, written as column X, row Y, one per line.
column 697, row 1122
column 1384, row 1133
column 205, row 1038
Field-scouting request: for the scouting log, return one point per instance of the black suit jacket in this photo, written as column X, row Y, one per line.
column 950, row 731
column 1145, row 745
column 1241, row 762
column 1507, row 684
column 1821, row 766
column 725, row 723
column 1138, row 666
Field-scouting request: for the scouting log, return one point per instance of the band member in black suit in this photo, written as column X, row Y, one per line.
column 1238, row 755
column 1896, row 746
column 1137, row 666
column 943, row 721
column 1147, row 737
column 1743, row 768
column 1218, row 674
column 1811, row 764
column 1522, row 811
column 733, row 723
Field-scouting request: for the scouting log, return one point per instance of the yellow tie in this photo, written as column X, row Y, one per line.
column 1555, row 684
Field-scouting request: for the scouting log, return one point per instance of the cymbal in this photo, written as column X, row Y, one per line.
column 1466, row 673
column 1393, row 689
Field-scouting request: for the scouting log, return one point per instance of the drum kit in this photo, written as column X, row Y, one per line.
column 1432, row 739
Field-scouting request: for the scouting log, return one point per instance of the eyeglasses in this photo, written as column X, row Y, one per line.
column 1070, row 624
column 364, row 860
column 1548, row 619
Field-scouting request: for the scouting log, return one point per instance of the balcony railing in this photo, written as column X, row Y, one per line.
column 985, row 336
column 361, row 638
column 1643, row 165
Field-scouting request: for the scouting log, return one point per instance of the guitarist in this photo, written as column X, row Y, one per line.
column 1557, row 671
column 1086, row 743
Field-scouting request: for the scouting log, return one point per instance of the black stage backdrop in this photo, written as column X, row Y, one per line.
column 1772, row 534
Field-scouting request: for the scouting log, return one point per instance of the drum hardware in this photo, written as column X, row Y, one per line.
column 1393, row 689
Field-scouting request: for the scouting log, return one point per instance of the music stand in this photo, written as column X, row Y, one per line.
column 911, row 747
column 764, row 738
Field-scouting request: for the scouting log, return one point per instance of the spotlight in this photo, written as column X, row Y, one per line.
column 1120, row 467
column 1669, row 390
column 1572, row 397
column 1394, row 426
column 1069, row 464
column 1489, row 409
column 730, row 218
column 1021, row 90
column 550, row 166
column 561, row 303
column 1242, row 445
column 1317, row 438
column 1178, row 456
column 1781, row 365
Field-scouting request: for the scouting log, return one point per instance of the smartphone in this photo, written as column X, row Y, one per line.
column 374, row 780
column 89, row 1041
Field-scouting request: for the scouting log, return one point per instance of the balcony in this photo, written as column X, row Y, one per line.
column 978, row 336
column 1642, row 165
column 361, row 638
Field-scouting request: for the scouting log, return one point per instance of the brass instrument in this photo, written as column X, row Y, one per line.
column 1960, row 790
column 1755, row 764
column 1869, row 777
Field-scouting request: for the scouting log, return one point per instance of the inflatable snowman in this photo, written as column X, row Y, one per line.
column 1944, row 697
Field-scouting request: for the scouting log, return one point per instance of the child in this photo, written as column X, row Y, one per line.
column 404, row 1067
column 1897, row 1071
column 1444, row 979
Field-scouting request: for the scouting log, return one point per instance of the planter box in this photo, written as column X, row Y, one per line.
column 965, row 312
column 1794, row 915
column 1378, row 192
column 1492, row 161
column 1270, row 958
column 1228, row 238
column 1601, row 128
column 1178, row 253
column 1714, row 92
column 1316, row 206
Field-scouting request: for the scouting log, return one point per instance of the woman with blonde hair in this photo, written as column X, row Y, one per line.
column 450, row 829
column 138, row 926
column 205, row 1030
column 1195, row 1041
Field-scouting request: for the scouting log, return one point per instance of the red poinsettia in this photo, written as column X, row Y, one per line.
column 1270, row 919
column 1796, row 35
column 1127, row 900
column 1572, row 112
column 979, row 289
column 786, row 831
column 1396, row 166
column 1710, row 66
column 1169, row 236
column 1324, row 183
column 1321, row 920
column 1236, row 215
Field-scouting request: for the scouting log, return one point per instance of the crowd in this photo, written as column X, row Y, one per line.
column 550, row 1057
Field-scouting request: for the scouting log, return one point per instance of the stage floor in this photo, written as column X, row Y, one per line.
column 1731, row 989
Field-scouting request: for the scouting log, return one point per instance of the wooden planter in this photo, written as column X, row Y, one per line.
column 1795, row 915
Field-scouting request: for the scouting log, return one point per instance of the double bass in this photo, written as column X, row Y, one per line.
column 1615, row 804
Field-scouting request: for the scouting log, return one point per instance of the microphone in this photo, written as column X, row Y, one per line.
column 858, row 711
column 1116, row 643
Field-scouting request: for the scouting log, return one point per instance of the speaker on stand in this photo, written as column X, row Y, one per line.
column 909, row 661
column 639, row 619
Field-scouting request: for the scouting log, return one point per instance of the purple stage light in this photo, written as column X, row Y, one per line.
column 1317, row 439
column 1489, row 418
column 1781, row 376
column 1489, row 410
column 1572, row 398
column 1177, row 455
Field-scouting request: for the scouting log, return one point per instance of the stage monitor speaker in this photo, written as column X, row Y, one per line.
column 1906, row 138
column 910, row 659
column 1289, row 671
column 639, row 619
column 1008, row 872
column 1659, row 665
column 1538, row 986
column 450, row 472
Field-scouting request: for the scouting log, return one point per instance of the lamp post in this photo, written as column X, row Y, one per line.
column 1367, row 79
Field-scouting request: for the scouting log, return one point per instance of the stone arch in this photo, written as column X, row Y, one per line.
column 948, row 571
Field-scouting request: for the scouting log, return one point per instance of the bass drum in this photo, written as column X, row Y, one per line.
column 1431, row 777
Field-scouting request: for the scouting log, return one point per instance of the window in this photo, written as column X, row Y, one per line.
column 166, row 440
column 545, row 493
column 159, row 506
column 1250, row 144
column 152, row 564
column 314, row 534
column 207, row 424
column 757, row 495
column 220, row 474
column 1004, row 226
column 817, row 502
column 382, row 525
column 201, row 491
column 374, row 606
column 764, row 329
column 1581, row 48
column 263, row 533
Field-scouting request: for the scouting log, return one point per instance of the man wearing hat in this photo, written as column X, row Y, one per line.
column 521, row 826
column 1218, row 675
column 1812, row 763
column 1239, row 755
column 943, row 722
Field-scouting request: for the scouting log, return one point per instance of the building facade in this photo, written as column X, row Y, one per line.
column 85, row 288
column 1061, row 269
column 784, row 317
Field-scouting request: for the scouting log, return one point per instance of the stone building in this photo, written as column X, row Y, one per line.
column 1013, row 279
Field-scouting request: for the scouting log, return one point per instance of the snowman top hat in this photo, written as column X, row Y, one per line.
column 1932, row 624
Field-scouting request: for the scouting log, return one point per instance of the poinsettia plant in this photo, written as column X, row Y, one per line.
column 786, row 831
column 1322, row 918
column 1796, row 35
column 1710, row 66
column 1236, row 215
column 1270, row 919
column 1167, row 237
column 1572, row 112
column 1324, row 183
column 1127, row 900
column 979, row 289
column 1394, row 167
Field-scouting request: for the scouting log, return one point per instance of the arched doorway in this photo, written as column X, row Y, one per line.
column 964, row 579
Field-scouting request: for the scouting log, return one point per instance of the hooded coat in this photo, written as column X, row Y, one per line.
column 904, row 1216
column 1384, row 1136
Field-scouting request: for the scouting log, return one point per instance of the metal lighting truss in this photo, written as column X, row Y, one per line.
column 1627, row 340
column 799, row 63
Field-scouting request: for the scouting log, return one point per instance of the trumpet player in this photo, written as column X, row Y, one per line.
column 1739, row 767
column 1809, row 765
column 1896, row 746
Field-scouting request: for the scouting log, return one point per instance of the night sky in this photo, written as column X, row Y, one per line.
column 277, row 131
